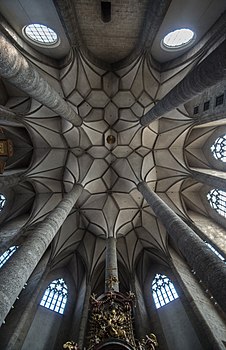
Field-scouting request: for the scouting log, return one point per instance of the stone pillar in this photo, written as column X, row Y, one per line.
column 16, row 272
column 210, row 180
column 203, row 76
column 18, row 71
column 21, row 317
column 7, row 181
column 111, row 267
column 84, row 318
column 209, row 268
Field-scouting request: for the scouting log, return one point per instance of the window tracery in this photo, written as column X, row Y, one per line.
column 55, row 296
column 217, row 200
column 5, row 256
column 163, row 290
column 219, row 148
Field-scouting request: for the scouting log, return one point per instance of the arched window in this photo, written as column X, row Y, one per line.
column 2, row 201
column 215, row 252
column 219, row 148
column 55, row 296
column 163, row 290
column 5, row 256
column 217, row 200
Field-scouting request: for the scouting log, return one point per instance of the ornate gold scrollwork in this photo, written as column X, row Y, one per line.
column 110, row 281
column 71, row 345
column 111, row 317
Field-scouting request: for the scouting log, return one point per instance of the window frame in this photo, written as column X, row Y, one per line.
column 164, row 293
column 55, row 299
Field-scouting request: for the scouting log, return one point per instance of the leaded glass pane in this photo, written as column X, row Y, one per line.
column 217, row 200
column 5, row 256
column 55, row 296
column 219, row 148
column 215, row 251
column 163, row 290
column 2, row 201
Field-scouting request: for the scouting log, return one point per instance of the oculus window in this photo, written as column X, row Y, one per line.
column 218, row 148
column 55, row 296
column 178, row 39
column 5, row 256
column 2, row 201
column 163, row 290
column 217, row 200
column 41, row 35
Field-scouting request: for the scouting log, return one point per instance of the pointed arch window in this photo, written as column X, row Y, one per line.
column 217, row 200
column 219, row 148
column 2, row 201
column 5, row 256
column 55, row 296
column 163, row 290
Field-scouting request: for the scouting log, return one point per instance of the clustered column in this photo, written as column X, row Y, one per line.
column 210, row 269
column 15, row 274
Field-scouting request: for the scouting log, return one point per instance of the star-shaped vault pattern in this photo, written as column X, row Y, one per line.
column 109, row 154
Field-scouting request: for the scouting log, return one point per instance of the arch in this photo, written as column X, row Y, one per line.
column 163, row 290
column 55, row 296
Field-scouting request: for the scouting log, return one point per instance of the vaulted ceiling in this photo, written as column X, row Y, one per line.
column 111, row 74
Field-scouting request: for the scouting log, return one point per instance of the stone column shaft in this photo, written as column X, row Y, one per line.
column 209, row 268
column 18, row 71
column 25, row 308
column 18, row 269
column 210, row 180
column 84, row 318
column 203, row 76
column 111, row 266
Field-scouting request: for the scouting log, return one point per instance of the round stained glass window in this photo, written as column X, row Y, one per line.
column 178, row 39
column 219, row 148
column 40, row 34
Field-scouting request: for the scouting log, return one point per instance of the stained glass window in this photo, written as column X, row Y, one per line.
column 163, row 290
column 5, row 256
column 55, row 296
column 217, row 200
column 219, row 148
column 2, row 201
